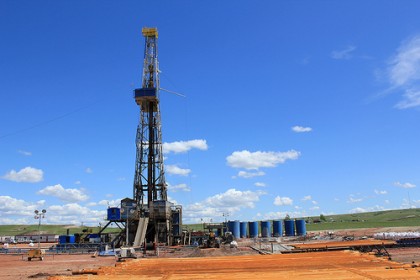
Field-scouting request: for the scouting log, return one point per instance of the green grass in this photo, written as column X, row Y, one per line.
column 12, row 230
column 391, row 218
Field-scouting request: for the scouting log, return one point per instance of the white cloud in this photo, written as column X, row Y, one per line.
column 281, row 215
column 404, row 185
column 231, row 201
column 88, row 170
column 110, row 202
column 245, row 174
column 235, row 198
column 69, row 195
column 10, row 206
column 315, row 208
column 25, row 175
column 18, row 211
column 307, row 197
column 282, row 201
column 411, row 98
column 314, row 202
column 77, row 183
column 25, row 153
column 91, row 204
column 380, row 192
column 74, row 213
column 179, row 187
column 184, row 146
column 255, row 160
column 358, row 210
column 173, row 169
column 259, row 184
column 300, row 129
column 343, row 54
column 354, row 200
column 368, row 209
column 404, row 73
column 405, row 66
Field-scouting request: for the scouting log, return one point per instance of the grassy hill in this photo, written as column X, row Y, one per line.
column 390, row 218
column 12, row 230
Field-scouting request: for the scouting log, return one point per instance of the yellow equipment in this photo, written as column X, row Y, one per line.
column 36, row 253
column 149, row 32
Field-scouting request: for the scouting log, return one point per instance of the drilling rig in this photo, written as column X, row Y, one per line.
column 148, row 216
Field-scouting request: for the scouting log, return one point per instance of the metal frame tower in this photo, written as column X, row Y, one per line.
column 149, row 190
column 148, row 216
column 149, row 178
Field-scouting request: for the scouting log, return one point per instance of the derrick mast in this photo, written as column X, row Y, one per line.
column 149, row 178
column 148, row 216
column 155, row 213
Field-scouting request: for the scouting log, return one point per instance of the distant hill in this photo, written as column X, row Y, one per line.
column 12, row 230
column 389, row 218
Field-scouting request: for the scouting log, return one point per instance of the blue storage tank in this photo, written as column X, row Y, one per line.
column 233, row 227
column 278, row 228
column 289, row 227
column 265, row 229
column 253, row 229
column 244, row 229
column 114, row 214
column 300, row 227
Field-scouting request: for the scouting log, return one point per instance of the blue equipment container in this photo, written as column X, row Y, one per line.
column 114, row 214
column 244, row 229
column 253, row 229
column 300, row 227
column 71, row 239
column 233, row 227
column 289, row 226
column 63, row 239
column 265, row 229
column 278, row 228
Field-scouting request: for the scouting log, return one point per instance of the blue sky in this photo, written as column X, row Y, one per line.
column 291, row 107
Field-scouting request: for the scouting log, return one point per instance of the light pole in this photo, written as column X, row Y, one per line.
column 39, row 216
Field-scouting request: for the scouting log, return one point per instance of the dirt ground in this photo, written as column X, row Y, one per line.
column 224, row 263
column 13, row 267
column 315, row 265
